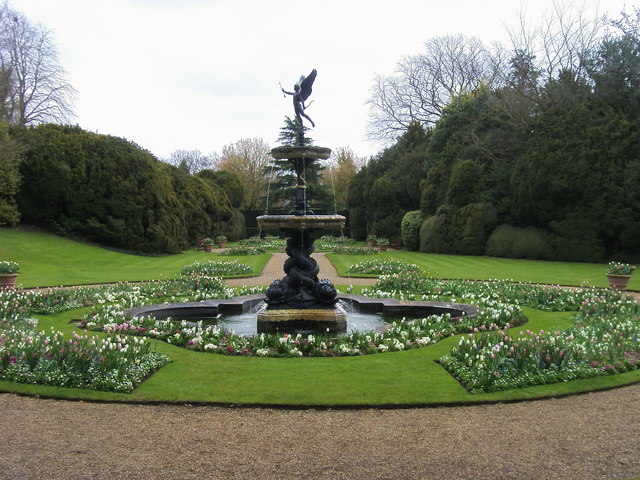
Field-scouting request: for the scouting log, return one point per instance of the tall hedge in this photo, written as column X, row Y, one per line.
column 384, row 190
column 111, row 191
column 10, row 177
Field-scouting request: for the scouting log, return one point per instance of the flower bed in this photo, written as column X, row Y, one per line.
column 328, row 242
column 213, row 268
column 243, row 250
column 355, row 251
column 603, row 340
column 403, row 334
column 384, row 266
column 269, row 242
column 116, row 363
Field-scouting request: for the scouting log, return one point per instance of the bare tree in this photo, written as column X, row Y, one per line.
column 559, row 44
column 341, row 168
column 250, row 159
column 423, row 85
column 191, row 161
column 39, row 90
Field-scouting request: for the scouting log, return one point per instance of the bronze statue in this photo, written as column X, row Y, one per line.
column 301, row 93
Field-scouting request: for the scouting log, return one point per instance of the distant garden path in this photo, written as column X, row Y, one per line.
column 273, row 271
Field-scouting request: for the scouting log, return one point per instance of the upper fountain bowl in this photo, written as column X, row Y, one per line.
column 301, row 222
column 307, row 152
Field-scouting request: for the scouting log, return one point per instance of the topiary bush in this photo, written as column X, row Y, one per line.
column 111, row 191
column 517, row 242
column 410, row 228
column 432, row 238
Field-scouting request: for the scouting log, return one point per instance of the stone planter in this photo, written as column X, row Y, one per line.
column 8, row 280
column 207, row 247
column 382, row 248
column 371, row 243
column 619, row 282
column 222, row 244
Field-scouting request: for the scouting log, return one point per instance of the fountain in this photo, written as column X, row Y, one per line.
column 301, row 299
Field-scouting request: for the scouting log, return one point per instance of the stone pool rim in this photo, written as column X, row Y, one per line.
column 388, row 307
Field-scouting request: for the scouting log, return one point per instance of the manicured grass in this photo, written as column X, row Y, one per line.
column 487, row 268
column 49, row 260
column 401, row 378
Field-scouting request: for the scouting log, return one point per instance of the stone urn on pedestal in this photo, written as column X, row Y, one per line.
column 8, row 274
column 619, row 275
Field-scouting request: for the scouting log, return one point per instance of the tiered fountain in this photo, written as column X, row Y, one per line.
column 301, row 299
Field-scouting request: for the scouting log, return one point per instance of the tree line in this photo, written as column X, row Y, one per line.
column 533, row 155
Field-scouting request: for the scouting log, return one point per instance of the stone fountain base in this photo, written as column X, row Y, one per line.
column 333, row 319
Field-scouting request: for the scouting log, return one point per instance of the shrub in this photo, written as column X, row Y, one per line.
column 410, row 228
column 387, row 267
column 243, row 250
column 432, row 234
column 355, row 251
column 515, row 242
column 578, row 250
column 111, row 191
column 213, row 268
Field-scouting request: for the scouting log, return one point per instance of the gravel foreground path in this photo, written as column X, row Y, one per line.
column 590, row 436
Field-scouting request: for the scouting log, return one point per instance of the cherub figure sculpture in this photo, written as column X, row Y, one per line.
column 302, row 90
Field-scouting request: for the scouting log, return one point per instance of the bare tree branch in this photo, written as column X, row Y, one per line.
column 38, row 89
column 423, row 85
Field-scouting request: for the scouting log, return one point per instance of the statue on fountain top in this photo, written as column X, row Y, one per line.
column 302, row 91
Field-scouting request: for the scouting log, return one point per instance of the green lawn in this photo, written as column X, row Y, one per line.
column 49, row 260
column 486, row 268
column 401, row 378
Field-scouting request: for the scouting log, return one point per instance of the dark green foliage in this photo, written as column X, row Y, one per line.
column 9, row 177
column 357, row 213
column 464, row 183
column 410, row 227
column 458, row 230
column 229, row 182
column 282, row 192
column 384, row 190
column 431, row 234
column 108, row 190
column 562, row 167
column 517, row 242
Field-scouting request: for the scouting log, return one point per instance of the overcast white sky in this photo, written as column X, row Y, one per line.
column 200, row 74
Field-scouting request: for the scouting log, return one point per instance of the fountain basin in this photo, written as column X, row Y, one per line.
column 355, row 305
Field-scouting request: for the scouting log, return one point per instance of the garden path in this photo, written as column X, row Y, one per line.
column 590, row 436
column 273, row 271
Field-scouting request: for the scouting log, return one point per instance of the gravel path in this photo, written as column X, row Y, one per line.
column 591, row 436
column 273, row 271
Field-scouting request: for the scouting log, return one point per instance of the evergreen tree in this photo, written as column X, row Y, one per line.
column 282, row 190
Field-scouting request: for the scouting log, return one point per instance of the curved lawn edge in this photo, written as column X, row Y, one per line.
column 81, row 396
column 407, row 379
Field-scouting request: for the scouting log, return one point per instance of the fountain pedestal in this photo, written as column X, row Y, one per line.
column 300, row 298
